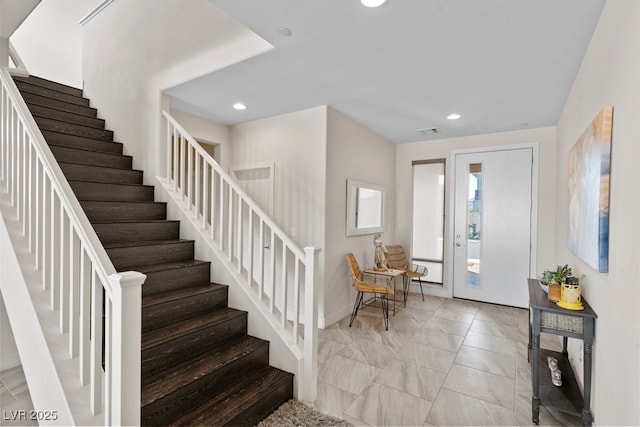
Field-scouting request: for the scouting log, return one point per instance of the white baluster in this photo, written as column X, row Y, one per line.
column 221, row 213
column 206, row 184
column 176, row 155
column 85, row 316
column 250, row 248
column 74, row 294
column 261, row 259
column 95, row 370
column 283, row 315
column 64, row 250
column 272, row 262
column 239, row 236
column 189, row 175
column 296, row 299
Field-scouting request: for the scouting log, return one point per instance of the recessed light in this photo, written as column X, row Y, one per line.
column 453, row 116
column 372, row 3
column 239, row 106
column 284, row 31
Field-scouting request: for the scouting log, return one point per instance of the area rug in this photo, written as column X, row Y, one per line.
column 295, row 413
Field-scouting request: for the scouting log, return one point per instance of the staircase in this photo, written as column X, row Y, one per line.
column 199, row 366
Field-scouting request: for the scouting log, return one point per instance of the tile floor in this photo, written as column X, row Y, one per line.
column 442, row 362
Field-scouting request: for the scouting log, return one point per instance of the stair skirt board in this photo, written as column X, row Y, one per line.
column 199, row 366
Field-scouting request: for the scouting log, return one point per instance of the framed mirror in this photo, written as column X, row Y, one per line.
column 365, row 208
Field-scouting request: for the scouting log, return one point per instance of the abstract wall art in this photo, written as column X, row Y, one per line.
column 589, row 172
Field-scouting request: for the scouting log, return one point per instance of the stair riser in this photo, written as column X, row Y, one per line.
column 53, row 125
column 106, row 211
column 75, row 172
column 167, row 409
column 177, row 278
column 35, row 99
column 163, row 356
column 66, row 116
column 83, row 157
column 278, row 394
column 117, row 232
column 36, row 81
column 53, row 94
column 164, row 314
column 111, row 192
column 73, row 141
column 139, row 256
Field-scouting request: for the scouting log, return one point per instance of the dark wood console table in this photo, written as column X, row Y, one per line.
column 548, row 317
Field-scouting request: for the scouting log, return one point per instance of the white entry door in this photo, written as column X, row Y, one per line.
column 493, row 226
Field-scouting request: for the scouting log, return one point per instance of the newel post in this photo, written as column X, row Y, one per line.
column 309, row 388
column 126, row 335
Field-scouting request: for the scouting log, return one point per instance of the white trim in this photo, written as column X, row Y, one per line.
column 89, row 16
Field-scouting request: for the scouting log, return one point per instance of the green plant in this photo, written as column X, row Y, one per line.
column 547, row 276
column 559, row 275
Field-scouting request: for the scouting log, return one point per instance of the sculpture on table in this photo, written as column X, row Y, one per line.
column 380, row 251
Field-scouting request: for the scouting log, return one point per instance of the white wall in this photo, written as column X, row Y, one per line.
column 353, row 152
column 133, row 50
column 296, row 142
column 49, row 41
column 442, row 148
column 610, row 75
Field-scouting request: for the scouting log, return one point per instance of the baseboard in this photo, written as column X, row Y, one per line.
column 326, row 321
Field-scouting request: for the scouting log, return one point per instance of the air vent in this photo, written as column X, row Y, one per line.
column 428, row 131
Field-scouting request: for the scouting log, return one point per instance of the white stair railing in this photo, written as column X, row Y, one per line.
column 278, row 275
column 72, row 268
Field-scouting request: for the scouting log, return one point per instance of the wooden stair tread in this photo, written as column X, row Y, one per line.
column 52, row 137
column 170, row 266
column 161, row 298
column 123, row 184
column 39, row 81
column 42, row 101
column 65, row 116
column 102, row 167
column 87, row 149
column 236, row 398
column 133, row 221
column 83, row 150
column 141, row 202
column 167, row 333
column 182, row 374
column 144, row 243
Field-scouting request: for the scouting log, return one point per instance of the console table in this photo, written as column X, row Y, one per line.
column 548, row 317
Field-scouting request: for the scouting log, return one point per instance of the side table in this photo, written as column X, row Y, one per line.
column 548, row 317
column 390, row 273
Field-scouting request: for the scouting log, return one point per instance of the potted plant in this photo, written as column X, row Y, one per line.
column 554, row 279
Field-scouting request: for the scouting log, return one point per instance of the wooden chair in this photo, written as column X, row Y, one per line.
column 367, row 287
column 397, row 259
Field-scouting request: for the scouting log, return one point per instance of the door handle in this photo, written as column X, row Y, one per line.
column 458, row 244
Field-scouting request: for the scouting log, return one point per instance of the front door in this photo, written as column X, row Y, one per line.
column 492, row 226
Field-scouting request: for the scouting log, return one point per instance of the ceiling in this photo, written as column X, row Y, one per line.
column 501, row 64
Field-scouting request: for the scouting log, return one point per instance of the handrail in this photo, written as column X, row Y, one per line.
column 14, row 56
column 283, row 285
column 73, row 265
